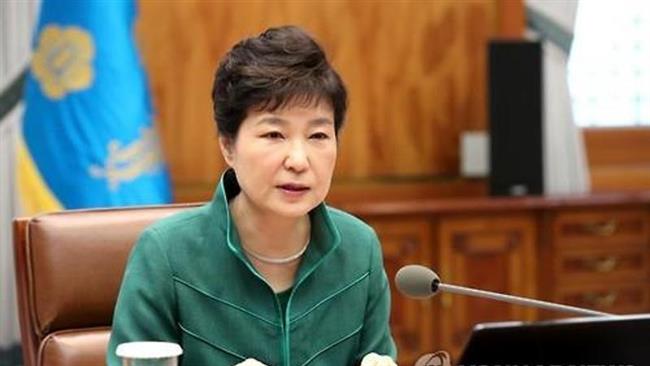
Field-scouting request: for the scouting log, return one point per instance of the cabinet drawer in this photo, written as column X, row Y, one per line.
column 601, row 265
column 619, row 299
column 599, row 227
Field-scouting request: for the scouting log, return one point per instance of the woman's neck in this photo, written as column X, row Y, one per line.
column 266, row 233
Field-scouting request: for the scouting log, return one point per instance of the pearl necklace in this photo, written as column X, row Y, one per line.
column 270, row 260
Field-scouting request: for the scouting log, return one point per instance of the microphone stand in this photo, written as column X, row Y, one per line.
column 436, row 286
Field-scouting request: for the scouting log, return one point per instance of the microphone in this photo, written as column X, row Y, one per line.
column 420, row 282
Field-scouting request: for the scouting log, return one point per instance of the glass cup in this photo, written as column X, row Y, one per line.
column 149, row 353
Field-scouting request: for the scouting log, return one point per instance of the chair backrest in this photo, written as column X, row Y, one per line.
column 69, row 267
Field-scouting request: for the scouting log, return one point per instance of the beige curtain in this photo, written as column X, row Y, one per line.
column 566, row 168
column 17, row 21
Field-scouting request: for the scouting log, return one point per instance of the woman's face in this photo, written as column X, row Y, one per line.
column 284, row 160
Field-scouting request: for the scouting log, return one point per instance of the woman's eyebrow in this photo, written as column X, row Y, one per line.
column 280, row 121
column 272, row 120
column 321, row 121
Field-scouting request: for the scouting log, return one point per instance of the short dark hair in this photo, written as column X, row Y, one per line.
column 281, row 66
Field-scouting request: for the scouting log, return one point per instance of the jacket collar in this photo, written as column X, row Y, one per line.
column 324, row 237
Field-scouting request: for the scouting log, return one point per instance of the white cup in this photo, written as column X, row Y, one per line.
column 149, row 353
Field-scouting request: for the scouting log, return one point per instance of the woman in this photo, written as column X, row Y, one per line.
column 265, row 271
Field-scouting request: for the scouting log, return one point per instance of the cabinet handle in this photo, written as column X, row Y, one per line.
column 602, row 265
column 602, row 300
column 606, row 228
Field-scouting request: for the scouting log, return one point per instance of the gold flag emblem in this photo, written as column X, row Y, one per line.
column 62, row 61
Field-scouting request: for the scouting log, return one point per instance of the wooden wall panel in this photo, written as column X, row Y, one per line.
column 619, row 158
column 415, row 71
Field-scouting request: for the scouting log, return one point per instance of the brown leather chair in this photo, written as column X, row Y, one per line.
column 69, row 268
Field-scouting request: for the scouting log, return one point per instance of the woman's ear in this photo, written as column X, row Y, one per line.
column 227, row 148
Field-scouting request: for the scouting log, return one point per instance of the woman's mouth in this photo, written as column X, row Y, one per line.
column 293, row 187
column 293, row 190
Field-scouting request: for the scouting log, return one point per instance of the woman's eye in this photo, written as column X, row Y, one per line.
column 319, row 136
column 273, row 135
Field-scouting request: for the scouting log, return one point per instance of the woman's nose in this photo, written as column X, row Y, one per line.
column 296, row 158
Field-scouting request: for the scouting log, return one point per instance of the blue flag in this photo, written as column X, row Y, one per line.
column 88, row 134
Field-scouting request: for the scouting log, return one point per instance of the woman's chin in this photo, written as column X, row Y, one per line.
column 292, row 212
column 293, row 209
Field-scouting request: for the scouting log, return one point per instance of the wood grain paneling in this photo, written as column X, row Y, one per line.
column 619, row 158
column 618, row 146
column 415, row 71
column 493, row 253
column 407, row 241
column 511, row 17
column 588, row 250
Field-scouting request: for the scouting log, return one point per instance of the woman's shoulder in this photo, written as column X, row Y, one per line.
column 358, row 239
column 184, row 223
column 350, row 226
column 347, row 219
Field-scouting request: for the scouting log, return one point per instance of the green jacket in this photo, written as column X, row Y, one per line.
column 188, row 281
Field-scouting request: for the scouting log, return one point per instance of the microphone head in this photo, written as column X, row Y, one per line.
column 417, row 281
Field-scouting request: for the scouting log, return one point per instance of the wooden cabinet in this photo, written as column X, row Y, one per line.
column 407, row 241
column 590, row 251
column 599, row 227
column 487, row 252
column 622, row 298
column 600, row 258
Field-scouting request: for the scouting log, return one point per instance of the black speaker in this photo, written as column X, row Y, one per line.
column 515, row 117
